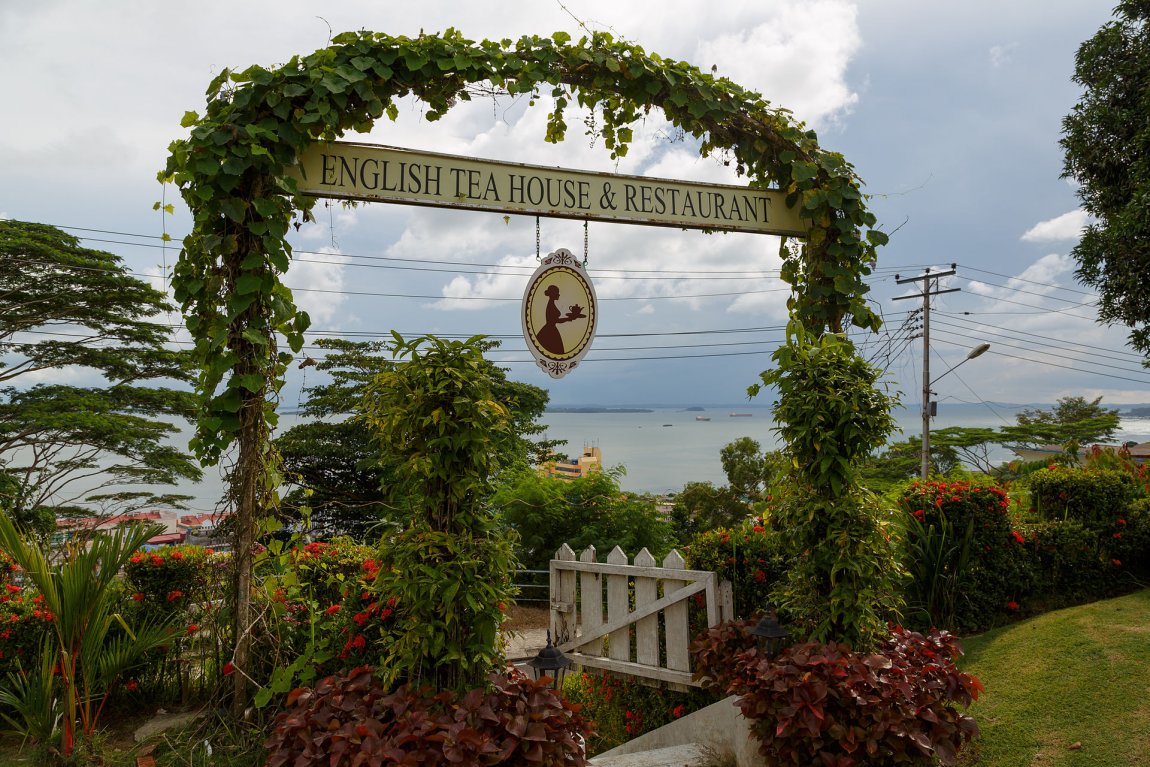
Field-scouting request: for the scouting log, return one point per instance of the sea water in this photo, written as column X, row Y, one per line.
column 663, row 449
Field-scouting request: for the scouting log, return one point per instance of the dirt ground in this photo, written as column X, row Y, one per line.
column 523, row 618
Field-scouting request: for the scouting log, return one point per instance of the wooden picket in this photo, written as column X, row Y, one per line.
column 605, row 615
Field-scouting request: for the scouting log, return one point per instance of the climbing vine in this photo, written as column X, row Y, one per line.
column 231, row 172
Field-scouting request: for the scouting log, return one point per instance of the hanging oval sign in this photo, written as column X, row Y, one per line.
column 559, row 313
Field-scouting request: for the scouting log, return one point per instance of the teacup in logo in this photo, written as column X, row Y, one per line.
column 559, row 313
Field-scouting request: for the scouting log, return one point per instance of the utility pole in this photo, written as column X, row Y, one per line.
column 927, row 292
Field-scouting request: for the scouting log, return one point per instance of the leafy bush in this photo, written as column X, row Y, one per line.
column 1094, row 497
column 24, row 623
column 351, row 719
column 715, row 649
column 168, row 580
column 748, row 556
column 619, row 708
column 962, row 555
column 822, row 704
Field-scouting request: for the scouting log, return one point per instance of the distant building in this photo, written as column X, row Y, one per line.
column 590, row 460
column 81, row 527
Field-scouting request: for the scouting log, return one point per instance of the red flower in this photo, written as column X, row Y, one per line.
column 1121, row 521
column 174, row 595
column 391, row 601
column 131, row 685
column 332, row 610
column 137, row 559
column 228, row 668
column 385, row 614
column 759, row 529
column 157, row 560
column 361, row 618
column 12, row 589
column 678, row 710
column 1017, row 536
column 177, row 555
column 919, row 514
column 359, row 642
column 1012, row 605
column 1117, row 535
column 193, row 628
column 209, row 552
column 1116, row 562
column 760, row 576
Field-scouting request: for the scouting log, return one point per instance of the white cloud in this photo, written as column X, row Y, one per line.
column 1002, row 55
column 316, row 281
column 1068, row 226
column 797, row 57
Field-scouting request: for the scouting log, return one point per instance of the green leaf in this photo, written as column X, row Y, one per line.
column 189, row 119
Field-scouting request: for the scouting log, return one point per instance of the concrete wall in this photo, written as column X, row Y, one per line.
column 720, row 727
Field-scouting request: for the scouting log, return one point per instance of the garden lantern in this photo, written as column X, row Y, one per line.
column 550, row 662
column 769, row 633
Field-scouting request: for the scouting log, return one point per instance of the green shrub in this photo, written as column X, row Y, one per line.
column 963, row 556
column 1094, row 497
column 24, row 622
column 167, row 581
column 822, row 704
column 620, row 708
column 748, row 556
column 353, row 719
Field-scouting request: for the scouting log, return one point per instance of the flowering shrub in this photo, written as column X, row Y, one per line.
column 1094, row 497
column 352, row 719
column 749, row 556
column 962, row 555
column 822, row 704
column 168, row 579
column 24, row 622
column 620, row 708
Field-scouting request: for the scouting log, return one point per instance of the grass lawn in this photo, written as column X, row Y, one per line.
column 1070, row 687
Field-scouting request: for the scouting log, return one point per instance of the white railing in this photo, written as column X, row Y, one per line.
column 605, row 615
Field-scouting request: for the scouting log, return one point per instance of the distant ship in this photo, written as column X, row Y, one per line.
column 702, row 418
column 739, row 415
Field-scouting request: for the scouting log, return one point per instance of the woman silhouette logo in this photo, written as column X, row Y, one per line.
column 559, row 313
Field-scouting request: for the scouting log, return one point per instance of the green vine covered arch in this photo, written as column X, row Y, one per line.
column 231, row 172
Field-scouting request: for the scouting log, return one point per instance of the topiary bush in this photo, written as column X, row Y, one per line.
column 1094, row 497
column 352, row 719
column 749, row 556
column 823, row 704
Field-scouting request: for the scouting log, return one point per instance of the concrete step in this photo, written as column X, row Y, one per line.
column 689, row 755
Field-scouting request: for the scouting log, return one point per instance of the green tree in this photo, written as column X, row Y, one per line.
column 546, row 512
column 333, row 466
column 1105, row 139
column 437, row 415
column 748, row 470
column 65, row 306
column 832, row 415
column 1072, row 422
column 702, row 506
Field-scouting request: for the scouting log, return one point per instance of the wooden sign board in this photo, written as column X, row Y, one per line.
column 389, row 174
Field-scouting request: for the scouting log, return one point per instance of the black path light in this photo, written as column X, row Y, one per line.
column 550, row 662
column 769, row 633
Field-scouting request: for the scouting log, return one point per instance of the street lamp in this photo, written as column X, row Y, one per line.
column 977, row 351
column 550, row 662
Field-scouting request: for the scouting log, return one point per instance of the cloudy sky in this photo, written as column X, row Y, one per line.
column 949, row 111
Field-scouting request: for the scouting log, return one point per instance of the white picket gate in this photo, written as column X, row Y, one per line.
column 598, row 608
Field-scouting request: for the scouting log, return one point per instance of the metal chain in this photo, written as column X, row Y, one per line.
column 537, row 257
column 584, row 243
